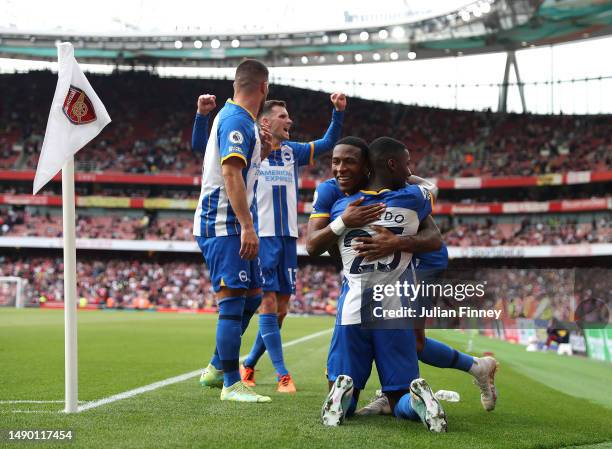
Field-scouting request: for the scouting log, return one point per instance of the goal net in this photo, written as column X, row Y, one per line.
column 12, row 291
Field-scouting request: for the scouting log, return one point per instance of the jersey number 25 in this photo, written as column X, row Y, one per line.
column 357, row 267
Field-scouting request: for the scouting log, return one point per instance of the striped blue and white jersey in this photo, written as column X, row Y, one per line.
column 234, row 133
column 277, row 189
column 328, row 193
column 406, row 208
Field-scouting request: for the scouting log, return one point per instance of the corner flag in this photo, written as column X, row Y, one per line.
column 77, row 116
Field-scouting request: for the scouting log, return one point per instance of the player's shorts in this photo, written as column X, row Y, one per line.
column 226, row 267
column 353, row 349
column 278, row 257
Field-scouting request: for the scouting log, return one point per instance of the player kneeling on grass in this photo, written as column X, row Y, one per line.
column 355, row 347
column 430, row 256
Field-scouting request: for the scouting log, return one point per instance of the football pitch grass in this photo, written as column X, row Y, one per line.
column 545, row 401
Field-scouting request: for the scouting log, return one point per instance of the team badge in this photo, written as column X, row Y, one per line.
column 425, row 192
column 243, row 276
column 236, row 137
column 78, row 108
column 286, row 154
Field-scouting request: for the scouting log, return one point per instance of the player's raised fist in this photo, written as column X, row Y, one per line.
column 206, row 103
column 338, row 99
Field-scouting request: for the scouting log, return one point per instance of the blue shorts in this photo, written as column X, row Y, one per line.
column 226, row 267
column 353, row 349
column 278, row 257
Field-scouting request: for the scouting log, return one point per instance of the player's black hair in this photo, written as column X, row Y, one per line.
column 268, row 105
column 383, row 149
column 356, row 142
column 250, row 73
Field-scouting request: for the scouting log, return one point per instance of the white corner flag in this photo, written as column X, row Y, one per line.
column 77, row 116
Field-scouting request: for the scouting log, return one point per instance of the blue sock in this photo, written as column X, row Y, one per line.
column 440, row 355
column 216, row 361
column 250, row 307
column 257, row 351
column 270, row 333
column 351, row 409
column 229, row 332
column 403, row 409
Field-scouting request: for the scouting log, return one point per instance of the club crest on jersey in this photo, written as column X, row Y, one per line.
column 236, row 137
column 243, row 276
column 78, row 108
column 286, row 153
column 426, row 193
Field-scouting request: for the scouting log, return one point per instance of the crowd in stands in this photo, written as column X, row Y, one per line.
column 534, row 230
column 124, row 283
column 152, row 118
column 529, row 232
column 538, row 230
column 532, row 293
column 131, row 283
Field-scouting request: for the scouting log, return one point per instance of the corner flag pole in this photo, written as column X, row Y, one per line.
column 77, row 115
column 70, row 288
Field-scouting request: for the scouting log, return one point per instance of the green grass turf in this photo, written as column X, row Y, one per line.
column 119, row 351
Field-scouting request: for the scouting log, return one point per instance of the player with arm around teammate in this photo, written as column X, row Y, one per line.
column 350, row 167
column 355, row 345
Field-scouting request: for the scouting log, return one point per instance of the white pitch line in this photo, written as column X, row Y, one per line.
column 28, row 401
column 177, row 379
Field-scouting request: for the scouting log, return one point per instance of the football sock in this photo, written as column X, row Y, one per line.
column 250, row 307
column 257, row 350
column 270, row 333
column 440, row 355
column 403, row 409
column 229, row 331
column 216, row 361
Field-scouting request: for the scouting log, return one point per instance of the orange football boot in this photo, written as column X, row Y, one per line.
column 285, row 384
column 247, row 374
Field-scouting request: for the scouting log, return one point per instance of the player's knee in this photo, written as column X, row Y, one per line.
column 282, row 307
column 268, row 303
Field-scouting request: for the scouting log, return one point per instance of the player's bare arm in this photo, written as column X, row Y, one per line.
column 236, row 192
column 320, row 233
column 384, row 242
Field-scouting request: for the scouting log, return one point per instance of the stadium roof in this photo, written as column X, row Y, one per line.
column 469, row 28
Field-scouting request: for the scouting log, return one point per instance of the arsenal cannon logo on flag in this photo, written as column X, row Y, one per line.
column 80, row 105
column 78, row 108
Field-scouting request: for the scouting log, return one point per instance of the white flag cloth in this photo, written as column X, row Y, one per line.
column 77, row 116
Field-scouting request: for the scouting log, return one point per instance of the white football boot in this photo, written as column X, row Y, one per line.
column 337, row 401
column 484, row 370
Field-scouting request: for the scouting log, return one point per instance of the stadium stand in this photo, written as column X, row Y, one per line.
column 151, row 133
